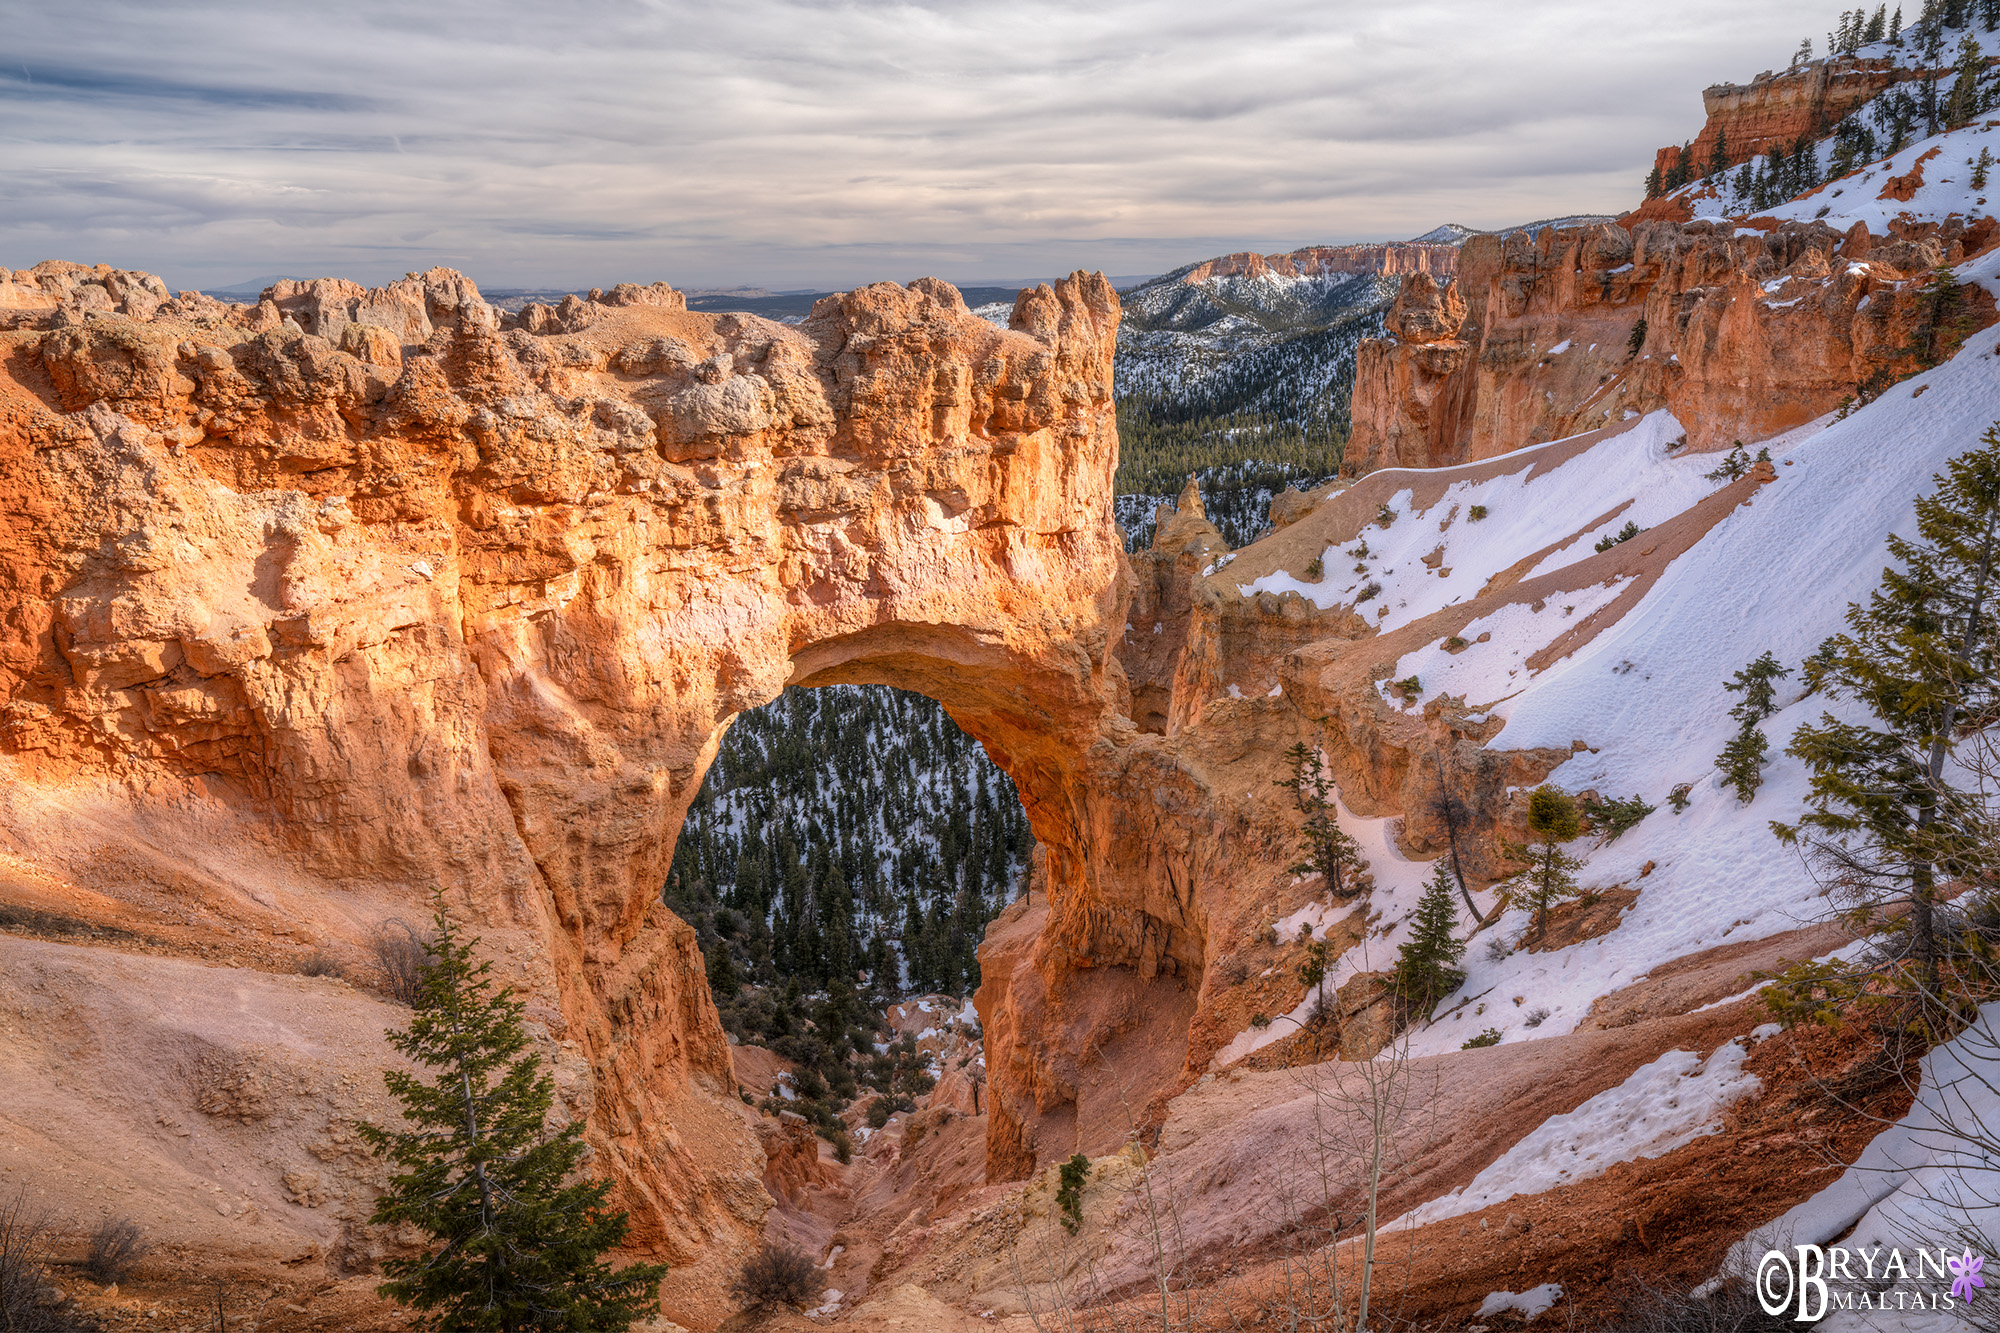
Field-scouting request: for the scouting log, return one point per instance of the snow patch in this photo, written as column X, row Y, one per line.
column 1672, row 1101
column 1527, row 1304
column 1919, row 1178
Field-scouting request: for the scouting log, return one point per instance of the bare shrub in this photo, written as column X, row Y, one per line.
column 320, row 963
column 28, row 1302
column 1729, row 1307
column 115, row 1247
column 778, row 1275
column 403, row 952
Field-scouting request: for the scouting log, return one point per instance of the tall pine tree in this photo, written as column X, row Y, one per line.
column 1329, row 851
column 1426, row 965
column 1885, row 819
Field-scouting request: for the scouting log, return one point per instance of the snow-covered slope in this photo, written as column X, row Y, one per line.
column 1455, row 233
column 1645, row 692
column 1942, row 186
column 1924, row 1183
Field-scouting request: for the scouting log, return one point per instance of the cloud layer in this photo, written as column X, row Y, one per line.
column 801, row 144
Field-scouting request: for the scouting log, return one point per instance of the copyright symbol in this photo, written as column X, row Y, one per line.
column 1766, row 1284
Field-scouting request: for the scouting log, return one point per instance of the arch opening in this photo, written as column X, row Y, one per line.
column 828, row 814
column 844, row 853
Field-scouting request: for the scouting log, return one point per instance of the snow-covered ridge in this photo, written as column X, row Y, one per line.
column 1859, row 169
column 1424, row 560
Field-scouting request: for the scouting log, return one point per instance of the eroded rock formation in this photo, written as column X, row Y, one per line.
column 1774, row 110
column 1390, row 259
column 422, row 599
column 322, row 603
column 401, row 598
column 1745, row 335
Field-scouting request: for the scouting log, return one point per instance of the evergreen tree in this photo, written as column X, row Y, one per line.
column 1758, row 684
column 723, row 980
column 512, row 1248
column 1682, row 170
column 1733, row 466
column 1805, row 165
column 1329, row 852
column 1426, row 969
column 781, row 945
column 1312, row 975
column 1550, row 877
column 1963, row 104
column 1884, row 818
column 1718, row 159
column 1945, row 321
column 836, row 911
column 1742, row 762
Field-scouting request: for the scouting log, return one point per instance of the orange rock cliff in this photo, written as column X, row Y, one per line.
column 1743, row 334
column 1774, row 110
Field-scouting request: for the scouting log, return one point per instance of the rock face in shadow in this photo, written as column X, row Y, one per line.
column 1745, row 334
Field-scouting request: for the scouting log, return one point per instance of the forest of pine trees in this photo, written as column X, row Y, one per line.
column 849, row 835
column 1246, row 422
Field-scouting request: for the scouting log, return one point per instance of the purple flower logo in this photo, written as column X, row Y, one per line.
column 1965, row 1275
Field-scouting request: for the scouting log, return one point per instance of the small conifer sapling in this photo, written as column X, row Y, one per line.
column 479, row 1172
column 1742, row 760
column 1742, row 763
column 1550, row 877
column 1733, row 466
column 1312, row 975
column 1426, row 968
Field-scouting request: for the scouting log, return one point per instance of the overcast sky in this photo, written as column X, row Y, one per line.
column 563, row 142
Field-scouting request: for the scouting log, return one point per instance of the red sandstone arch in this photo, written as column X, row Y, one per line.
column 413, row 599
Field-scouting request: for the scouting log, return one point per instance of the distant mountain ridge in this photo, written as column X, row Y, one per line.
column 1238, row 369
column 1455, row 233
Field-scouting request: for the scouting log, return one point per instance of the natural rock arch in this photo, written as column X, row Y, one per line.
column 313, row 606
column 365, row 592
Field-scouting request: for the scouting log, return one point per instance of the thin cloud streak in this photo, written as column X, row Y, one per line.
column 801, row 144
